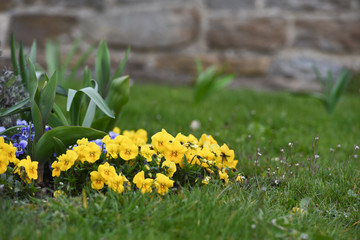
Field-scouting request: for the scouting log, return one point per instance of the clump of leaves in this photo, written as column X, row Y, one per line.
column 332, row 89
column 209, row 81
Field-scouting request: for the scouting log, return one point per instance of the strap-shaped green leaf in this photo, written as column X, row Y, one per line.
column 53, row 121
column 74, row 105
column 51, row 57
column 23, row 70
column 47, row 98
column 37, row 120
column 102, row 68
column 32, row 81
column 12, row 129
column 59, row 146
column 117, row 98
column 98, row 100
column 13, row 55
column 14, row 109
column 33, row 50
column 45, row 148
column 70, row 98
column 90, row 112
column 80, row 62
column 122, row 65
column 60, row 115
column 60, row 90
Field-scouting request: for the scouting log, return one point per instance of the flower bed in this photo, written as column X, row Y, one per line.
column 124, row 162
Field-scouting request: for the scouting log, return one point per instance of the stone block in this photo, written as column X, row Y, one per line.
column 230, row 4
column 257, row 34
column 312, row 5
column 95, row 4
column 328, row 35
column 184, row 63
column 6, row 5
column 28, row 27
column 300, row 67
column 247, row 66
column 153, row 29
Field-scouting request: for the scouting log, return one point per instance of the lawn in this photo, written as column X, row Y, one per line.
column 300, row 165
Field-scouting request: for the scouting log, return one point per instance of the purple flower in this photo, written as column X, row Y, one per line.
column 21, row 122
column 20, row 147
column 113, row 135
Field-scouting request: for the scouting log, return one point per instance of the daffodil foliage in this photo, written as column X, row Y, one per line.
column 130, row 161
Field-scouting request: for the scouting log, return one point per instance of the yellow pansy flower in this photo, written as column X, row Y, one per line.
column 206, row 140
column 67, row 160
column 97, row 181
column 107, row 172
column 163, row 183
column 160, row 139
column 223, row 175
column 147, row 152
column 128, row 150
column 175, row 152
column 4, row 162
column 56, row 169
column 116, row 130
column 144, row 184
column 92, row 153
column 117, row 183
column 170, row 167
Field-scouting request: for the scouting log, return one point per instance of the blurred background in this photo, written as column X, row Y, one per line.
column 267, row 44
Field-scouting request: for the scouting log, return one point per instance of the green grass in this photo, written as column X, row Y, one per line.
column 326, row 187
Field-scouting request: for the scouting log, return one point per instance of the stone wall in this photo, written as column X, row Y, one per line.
column 269, row 44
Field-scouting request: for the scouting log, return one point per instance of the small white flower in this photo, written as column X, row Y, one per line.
column 195, row 125
column 290, row 144
column 316, row 156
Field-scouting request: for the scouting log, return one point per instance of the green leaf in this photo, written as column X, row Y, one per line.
column 61, row 90
column 80, row 62
column 70, row 98
column 37, row 121
column 119, row 94
column 47, row 98
column 102, row 68
column 14, row 109
column 32, row 81
column 53, row 121
column 59, row 114
column 98, row 100
column 32, row 54
column 86, row 77
column 199, row 67
column 102, row 123
column 117, row 98
column 90, row 112
column 13, row 56
column 122, row 65
column 71, row 53
column 59, row 146
column 45, row 147
column 74, row 105
column 23, row 70
column 12, row 129
column 339, row 86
